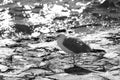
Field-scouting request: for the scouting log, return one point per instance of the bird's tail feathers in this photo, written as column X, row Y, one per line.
column 97, row 50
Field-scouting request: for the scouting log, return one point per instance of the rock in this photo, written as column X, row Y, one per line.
column 40, row 78
column 111, row 55
column 95, row 77
column 18, row 57
column 6, row 51
column 5, row 42
column 78, row 77
column 42, row 64
column 35, row 34
column 3, row 68
column 44, row 30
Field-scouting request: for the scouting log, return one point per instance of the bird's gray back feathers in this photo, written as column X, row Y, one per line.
column 76, row 45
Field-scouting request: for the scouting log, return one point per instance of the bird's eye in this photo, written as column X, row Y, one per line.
column 58, row 35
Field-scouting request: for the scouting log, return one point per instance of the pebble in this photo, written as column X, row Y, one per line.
column 3, row 68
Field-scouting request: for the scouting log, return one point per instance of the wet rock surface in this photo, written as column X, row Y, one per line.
column 28, row 49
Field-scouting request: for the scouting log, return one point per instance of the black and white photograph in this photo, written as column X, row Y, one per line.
column 59, row 39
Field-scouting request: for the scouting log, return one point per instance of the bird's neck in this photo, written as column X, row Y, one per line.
column 60, row 42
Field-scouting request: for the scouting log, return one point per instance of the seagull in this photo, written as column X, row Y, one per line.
column 74, row 46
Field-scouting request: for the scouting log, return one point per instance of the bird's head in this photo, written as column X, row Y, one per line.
column 61, row 36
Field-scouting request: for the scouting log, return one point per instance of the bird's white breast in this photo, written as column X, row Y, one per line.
column 60, row 44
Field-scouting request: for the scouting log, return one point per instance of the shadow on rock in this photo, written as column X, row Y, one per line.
column 77, row 70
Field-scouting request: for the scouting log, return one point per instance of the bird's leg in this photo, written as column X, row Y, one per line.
column 73, row 59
